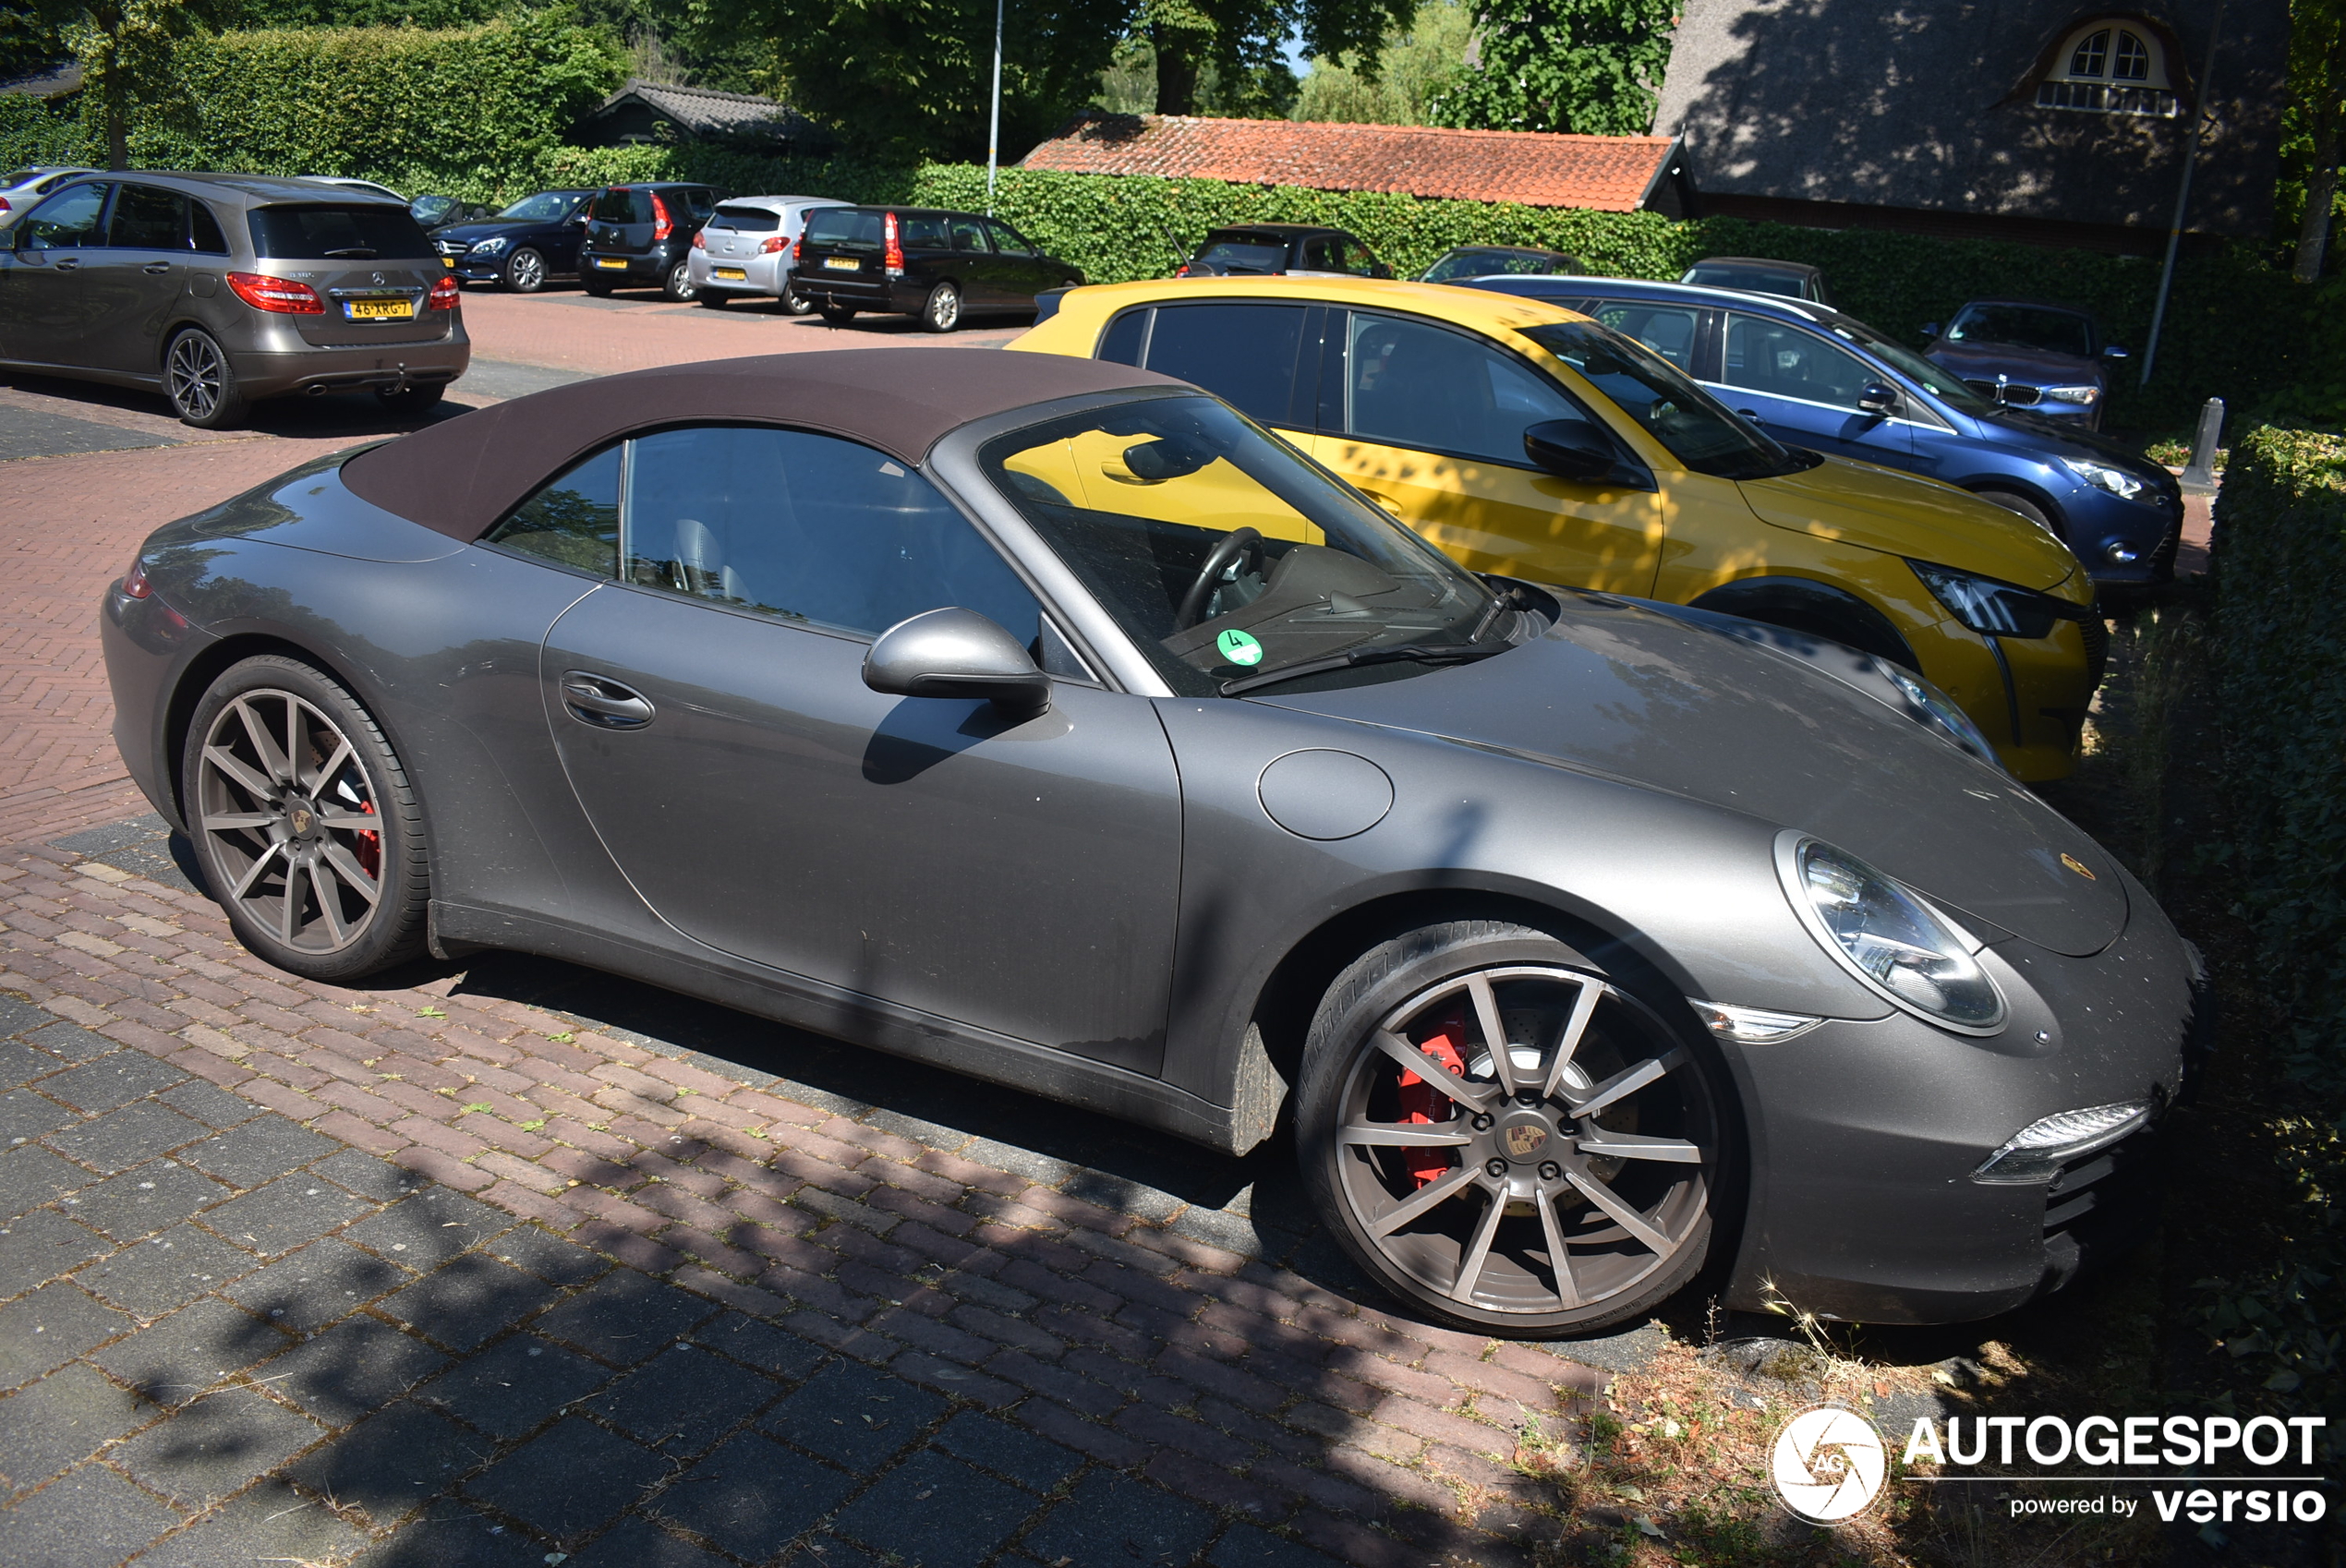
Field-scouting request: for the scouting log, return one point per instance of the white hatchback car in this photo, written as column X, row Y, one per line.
column 21, row 189
column 746, row 250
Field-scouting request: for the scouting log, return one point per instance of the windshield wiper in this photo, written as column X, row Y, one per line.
column 357, row 253
column 1423, row 653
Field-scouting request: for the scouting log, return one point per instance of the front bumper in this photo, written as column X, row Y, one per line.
column 2100, row 525
column 1864, row 1136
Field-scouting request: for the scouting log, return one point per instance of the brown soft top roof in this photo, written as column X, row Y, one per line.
column 461, row 476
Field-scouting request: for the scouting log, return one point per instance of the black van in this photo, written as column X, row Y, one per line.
column 920, row 261
column 642, row 235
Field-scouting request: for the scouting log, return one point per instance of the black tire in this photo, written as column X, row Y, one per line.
column 594, row 287
column 2024, row 506
column 202, row 384
column 277, row 837
column 525, row 272
column 796, row 304
column 716, row 299
column 838, row 315
column 941, row 312
column 1454, row 1225
column 677, row 286
column 411, row 400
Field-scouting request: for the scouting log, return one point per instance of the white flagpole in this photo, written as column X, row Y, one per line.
column 994, row 129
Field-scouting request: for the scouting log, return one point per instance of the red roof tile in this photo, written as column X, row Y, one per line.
column 1612, row 174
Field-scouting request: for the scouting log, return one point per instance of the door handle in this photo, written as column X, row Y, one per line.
column 604, row 702
column 156, row 267
column 1383, row 500
column 67, row 263
column 1748, row 413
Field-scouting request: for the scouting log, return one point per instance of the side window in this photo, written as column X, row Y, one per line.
column 969, row 235
column 808, row 528
column 1313, row 255
column 573, row 521
column 1357, row 259
column 67, row 220
column 147, row 218
column 1786, row 361
column 210, row 239
column 1409, row 384
column 1245, row 354
column 703, row 201
column 1668, row 329
column 1008, row 240
column 1121, row 342
column 922, row 234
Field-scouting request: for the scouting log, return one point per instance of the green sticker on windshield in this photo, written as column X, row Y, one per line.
column 1238, row 648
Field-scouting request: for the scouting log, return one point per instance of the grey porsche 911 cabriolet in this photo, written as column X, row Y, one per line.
column 1046, row 720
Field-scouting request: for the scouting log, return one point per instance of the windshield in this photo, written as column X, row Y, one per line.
column 2025, row 326
column 1224, row 553
column 1751, row 280
column 1699, row 430
column 368, row 231
column 1951, row 390
column 546, row 207
column 1239, row 256
column 1491, row 263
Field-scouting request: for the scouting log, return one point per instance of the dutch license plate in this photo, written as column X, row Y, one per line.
column 731, row 275
column 614, row 263
column 448, row 260
column 379, row 309
column 841, row 263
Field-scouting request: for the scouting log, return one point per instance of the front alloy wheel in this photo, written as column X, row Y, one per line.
column 525, row 271
column 1507, row 1137
column 303, row 823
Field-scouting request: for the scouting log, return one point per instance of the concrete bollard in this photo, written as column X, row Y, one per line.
column 2199, row 476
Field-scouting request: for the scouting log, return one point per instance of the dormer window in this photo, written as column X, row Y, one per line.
column 2109, row 67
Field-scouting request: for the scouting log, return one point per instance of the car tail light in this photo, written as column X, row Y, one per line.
column 891, row 247
column 1182, row 270
column 771, row 244
column 663, row 225
column 798, row 251
column 283, row 297
column 134, row 581
column 442, row 295
column 3, row 204
column 700, row 242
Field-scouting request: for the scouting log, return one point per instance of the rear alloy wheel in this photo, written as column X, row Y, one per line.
column 942, row 312
column 202, row 384
column 678, row 284
column 525, row 272
column 1560, row 1185
column 303, row 821
column 838, row 315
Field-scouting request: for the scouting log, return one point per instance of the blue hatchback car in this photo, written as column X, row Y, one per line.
column 1818, row 378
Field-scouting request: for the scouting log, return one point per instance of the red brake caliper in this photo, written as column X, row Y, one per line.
column 1421, row 1102
column 370, row 846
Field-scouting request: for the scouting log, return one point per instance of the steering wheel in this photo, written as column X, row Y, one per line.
column 1238, row 545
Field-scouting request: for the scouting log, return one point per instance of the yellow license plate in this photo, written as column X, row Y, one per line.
column 731, row 275
column 448, row 260
column 841, row 263
column 612, row 262
column 379, row 309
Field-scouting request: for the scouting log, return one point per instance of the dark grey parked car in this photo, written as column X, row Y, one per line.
column 1045, row 720
column 219, row 290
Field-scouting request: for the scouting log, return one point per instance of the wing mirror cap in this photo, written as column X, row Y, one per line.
column 1570, row 448
column 1877, row 397
column 1931, row 329
column 957, row 653
column 2111, row 351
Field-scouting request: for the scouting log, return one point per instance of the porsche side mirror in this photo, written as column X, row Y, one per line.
column 957, row 653
column 1931, row 329
column 2111, row 351
column 1877, row 397
column 1570, row 448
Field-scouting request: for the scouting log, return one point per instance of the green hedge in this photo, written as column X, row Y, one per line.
column 415, row 108
column 32, row 132
column 2281, row 672
column 2237, row 328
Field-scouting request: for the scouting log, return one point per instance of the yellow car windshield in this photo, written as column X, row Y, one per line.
column 1227, row 556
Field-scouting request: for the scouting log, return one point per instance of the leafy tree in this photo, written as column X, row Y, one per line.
column 1239, row 46
column 2317, row 113
column 126, row 49
column 28, row 42
column 1591, row 67
column 1416, row 64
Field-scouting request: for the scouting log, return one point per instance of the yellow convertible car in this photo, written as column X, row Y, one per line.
column 1529, row 441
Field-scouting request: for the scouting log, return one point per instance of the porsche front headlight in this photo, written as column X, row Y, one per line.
column 1934, row 709
column 1888, row 937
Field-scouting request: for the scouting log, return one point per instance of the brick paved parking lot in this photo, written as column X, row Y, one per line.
column 504, row 1263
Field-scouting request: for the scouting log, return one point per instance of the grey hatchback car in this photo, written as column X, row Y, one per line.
column 220, row 290
column 1045, row 720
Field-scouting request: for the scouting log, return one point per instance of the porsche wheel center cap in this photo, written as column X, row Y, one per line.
column 1525, row 1138
column 302, row 821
